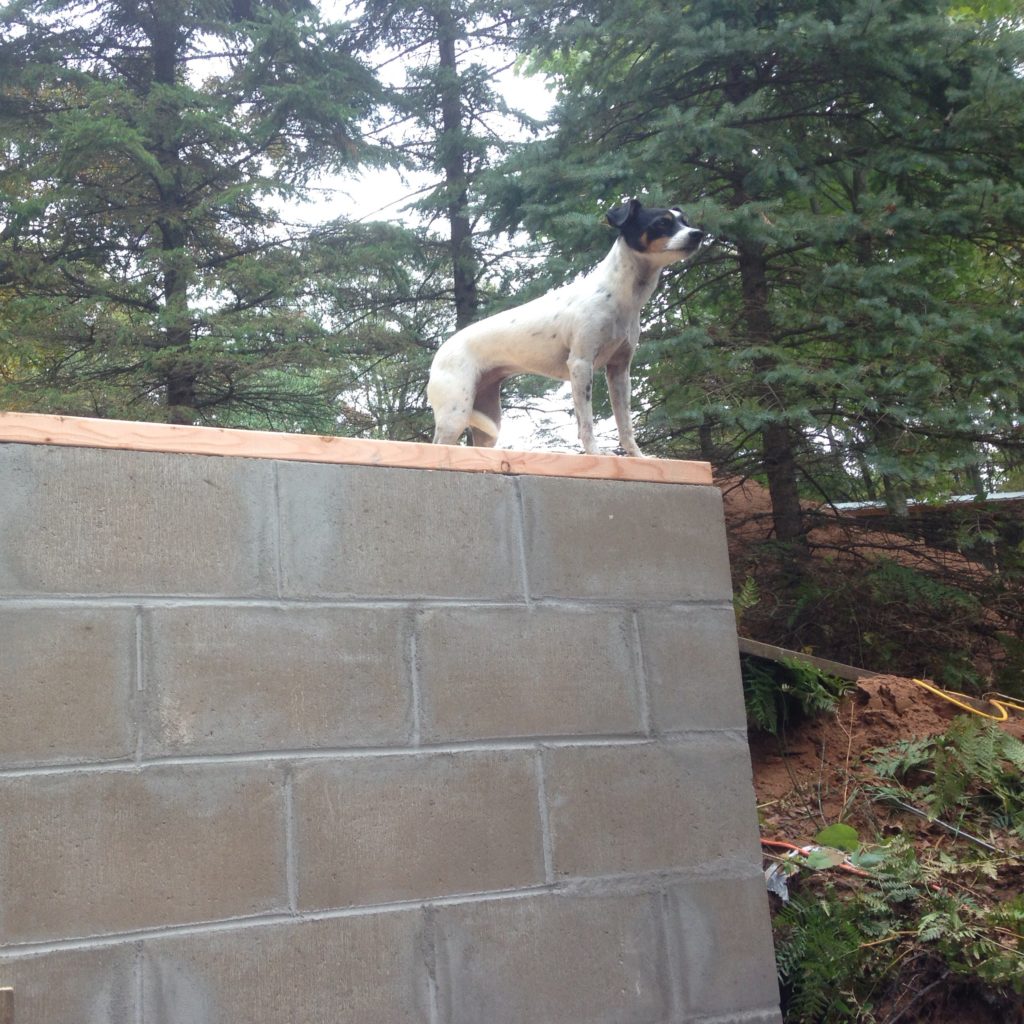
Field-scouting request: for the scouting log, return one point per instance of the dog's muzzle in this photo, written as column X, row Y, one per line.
column 692, row 242
column 686, row 242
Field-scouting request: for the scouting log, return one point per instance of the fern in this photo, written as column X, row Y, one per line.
column 746, row 597
column 899, row 759
column 932, row 926
column 778, row 694
column 837, row 949
column 841, row 950
column 760, row 693
column 1013, row 751
column 973, row 769
column 818, row 952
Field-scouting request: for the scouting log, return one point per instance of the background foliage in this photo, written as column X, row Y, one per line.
column 850, row 331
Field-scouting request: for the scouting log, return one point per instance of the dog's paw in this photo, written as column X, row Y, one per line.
column 634, row 453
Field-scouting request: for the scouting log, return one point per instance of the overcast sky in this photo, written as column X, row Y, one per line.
column 380, row 194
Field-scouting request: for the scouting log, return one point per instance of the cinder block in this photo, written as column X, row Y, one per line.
column 353, row 970
column 378, row 830
column 86, row 854
column 358, row 531
column 632, row 541
column 724, row 941
column 767, row 1017
column 649, row 807
column 241, row 678
column 692, row 663
column 66, row 681
column 551, row 959
column 494, row 672
column 74, row 987
column 82, row 521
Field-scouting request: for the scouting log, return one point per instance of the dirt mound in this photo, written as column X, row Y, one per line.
column 814, row 775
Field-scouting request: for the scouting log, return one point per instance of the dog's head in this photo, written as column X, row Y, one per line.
column 654, row 231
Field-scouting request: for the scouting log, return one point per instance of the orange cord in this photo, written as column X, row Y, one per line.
column 782, row 844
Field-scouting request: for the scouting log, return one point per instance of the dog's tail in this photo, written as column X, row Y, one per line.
column 482, row 422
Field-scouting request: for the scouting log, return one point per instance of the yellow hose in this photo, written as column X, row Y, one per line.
column 1003, row 704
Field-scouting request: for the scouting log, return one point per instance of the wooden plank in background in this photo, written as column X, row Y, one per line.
column 79, row 432
column 833, row 668
column 6, row 1006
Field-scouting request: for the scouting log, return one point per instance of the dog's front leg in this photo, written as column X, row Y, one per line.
column 581, row 377
column 619, row 392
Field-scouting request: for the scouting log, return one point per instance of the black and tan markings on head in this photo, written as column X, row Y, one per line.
column 654, row 229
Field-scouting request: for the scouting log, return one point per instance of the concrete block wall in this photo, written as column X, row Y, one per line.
column 284, row 743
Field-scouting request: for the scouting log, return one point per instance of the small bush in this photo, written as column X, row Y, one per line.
column 931, row 930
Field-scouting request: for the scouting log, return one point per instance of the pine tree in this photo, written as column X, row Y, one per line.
column 146, row 274
column 859, row 166
column 450, row 120
column 385, row 291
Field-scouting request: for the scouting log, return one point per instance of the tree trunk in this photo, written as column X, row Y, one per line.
column 453, row 163
column 887, row 435
column 706, row 438
column 777, row 437
column 178, row 370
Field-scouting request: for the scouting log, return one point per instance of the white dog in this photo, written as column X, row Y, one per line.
column 567, row 333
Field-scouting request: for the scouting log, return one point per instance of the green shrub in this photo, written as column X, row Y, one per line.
column 780, row 694
column 928, row 925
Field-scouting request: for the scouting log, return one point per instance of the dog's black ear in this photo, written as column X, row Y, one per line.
column 620, row 216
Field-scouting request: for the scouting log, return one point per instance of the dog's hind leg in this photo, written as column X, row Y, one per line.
column 448, row 433
column 451, row 421
column 485, row 420
column 451, row 397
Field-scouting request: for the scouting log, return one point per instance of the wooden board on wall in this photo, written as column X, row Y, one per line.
column 80, row 432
